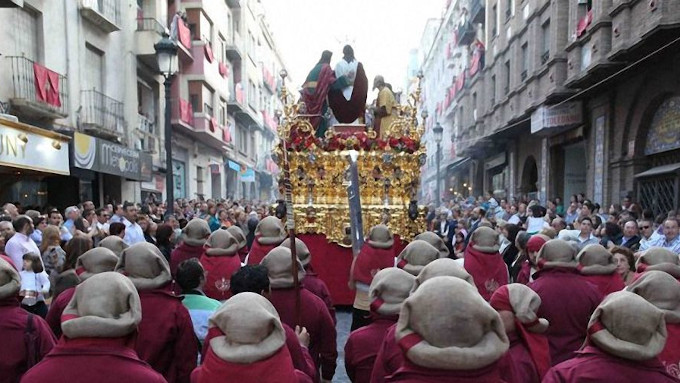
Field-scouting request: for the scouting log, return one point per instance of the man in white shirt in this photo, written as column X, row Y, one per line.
column 118, row 214
column 133, row 232
column 586, row 236
column 21, row 242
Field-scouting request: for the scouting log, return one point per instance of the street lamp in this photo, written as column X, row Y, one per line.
column 166, row 55
column 438, row 133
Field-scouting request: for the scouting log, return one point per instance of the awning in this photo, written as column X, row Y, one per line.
column 459, row 164
column 660, row 170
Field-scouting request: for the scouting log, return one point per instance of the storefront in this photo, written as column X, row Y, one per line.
column 33, row 162
column 109, row 172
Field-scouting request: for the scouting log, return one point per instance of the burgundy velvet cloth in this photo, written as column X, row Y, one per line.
column 258, row 251
column 593, row 365
column 315, row 97
column 183, row 252
column 389, row 358
column 411, row 373
column 217, row 268
column 670, row 356
column 316, row 286
column 487, row 269
column 57, row 307
column 606, row 284
column 362, row 348
column 567, row 302
column 516, row 365
column 371, row 260
column 166, row 337
column 101, row 360
column 315, row 317
column 278, row 368
column 13, row 321
column 333, row 262
column 346, row 111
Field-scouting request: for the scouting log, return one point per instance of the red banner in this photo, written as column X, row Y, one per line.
column 226, row 134
column 208, row 52
column 224, row 70
column 46, row 85
column 239, row 93
column 186, row 111
column 213, row 124
column 184, row 34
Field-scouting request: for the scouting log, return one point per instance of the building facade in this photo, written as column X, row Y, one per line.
column 573, row 97
column 85, row 73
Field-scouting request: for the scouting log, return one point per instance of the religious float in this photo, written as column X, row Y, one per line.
column 317, row 179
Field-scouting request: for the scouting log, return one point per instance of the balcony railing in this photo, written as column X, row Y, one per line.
column 105, row 14
column 101, row 113
column 49, row 100
column 466, row 34
column 150, row 24
column 477, row 11
column 145, row 125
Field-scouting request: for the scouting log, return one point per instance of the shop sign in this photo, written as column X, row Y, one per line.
column 103, row 156
column 27, row 147
column 247, row 175
column 552, row 117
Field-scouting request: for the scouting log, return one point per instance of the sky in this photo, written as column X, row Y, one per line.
column 382, row 32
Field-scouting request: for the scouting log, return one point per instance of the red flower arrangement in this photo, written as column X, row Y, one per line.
column 353, row 141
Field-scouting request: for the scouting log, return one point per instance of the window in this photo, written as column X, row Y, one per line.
column 26, row 24
column 193, row 99
column 208, row 102
column 260, row 98
column 221, row 49
column 506, row 88
column 525, row 60
column 461, row 116
column 222, row 114
column 251, row 152
column 252, row 94
column 546, row 42
column 493, row 90
column 508, row 9
column 242, row 139
column 199, row 180
column 94, row 69
column 474, row 106
column 494, row 21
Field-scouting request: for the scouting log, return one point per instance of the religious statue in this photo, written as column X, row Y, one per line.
column 347, row 97
column 385, row 107
column 315, row 92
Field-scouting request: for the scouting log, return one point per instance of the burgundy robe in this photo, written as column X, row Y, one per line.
column 57, row 307
column 670, row 356
column 216, row 268
column 13, row 321
column 242, row 253
column 488, row 270
column 362, row 348
column 411, row 373
column 302, row 360
column 524, row 275
column 516, row 365
column 315, row 317
column 100, row 360
column 567, row 302
column 371, row 260
column 183, row 252
column 259, row 251
column 166, row 336
column 275, row 369
column 316, row 286
column 606, row 284
column 389, row 358
column 593, row 365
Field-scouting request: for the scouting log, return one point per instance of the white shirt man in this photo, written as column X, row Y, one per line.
column 21, row 243
column 133, row 232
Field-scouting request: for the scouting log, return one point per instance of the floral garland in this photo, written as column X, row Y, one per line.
column 352, row 141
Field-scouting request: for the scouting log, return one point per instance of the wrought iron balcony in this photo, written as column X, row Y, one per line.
column 544, row 57
column 235, row 47
column 101, row 115
column 105, row 14
column 477, row 11
column 466, row 34
column 46, row 98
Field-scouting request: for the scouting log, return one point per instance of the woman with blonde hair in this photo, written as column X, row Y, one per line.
column 53, row 256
